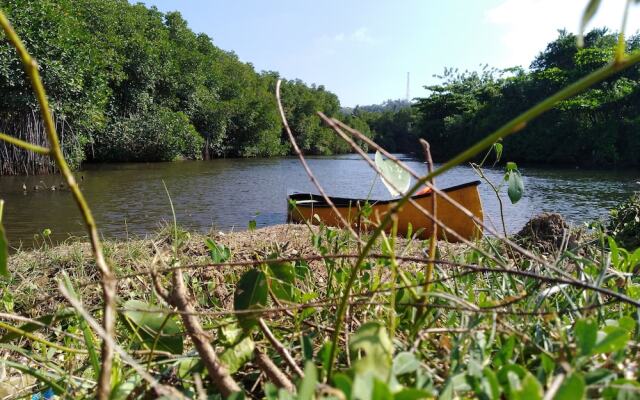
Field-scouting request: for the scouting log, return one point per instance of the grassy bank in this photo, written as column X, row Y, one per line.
column 482, row 329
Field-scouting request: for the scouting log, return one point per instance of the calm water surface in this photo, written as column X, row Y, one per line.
column 225, row 194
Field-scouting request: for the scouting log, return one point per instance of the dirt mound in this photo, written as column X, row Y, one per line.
column 545, row 232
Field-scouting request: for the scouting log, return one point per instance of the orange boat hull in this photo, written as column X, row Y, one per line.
column 313, row 209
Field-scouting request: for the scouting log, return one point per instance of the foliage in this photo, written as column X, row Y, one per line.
column 624, row 222
column 596, row 128
column 129, row 83
column 391, row 124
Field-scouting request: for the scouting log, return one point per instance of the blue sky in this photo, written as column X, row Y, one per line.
column 362, row 49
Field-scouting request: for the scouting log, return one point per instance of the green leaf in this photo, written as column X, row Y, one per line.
column 490, row 384
column 622, row 389
column 588, row 14
column 516, row 186
column 598, row 376
column 373, row 340
column 381, row 391
column 511, row 166
column 497, row 147
column 572, row 388
column 283, row 280
column 616, row 339
column 251, row 294
column 405, row 363
column 343, row 383
column 219, row 253
column 4, row 253
column 531, row 389
column 252, row 225
column 92, row 348
column 235, row 357
column 412, row 394
column 155, row 327
column 395, row 178
column 307, row 389
column 586, row 332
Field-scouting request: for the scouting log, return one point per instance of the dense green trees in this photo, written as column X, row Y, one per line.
column 599, row 127
column 130, row 83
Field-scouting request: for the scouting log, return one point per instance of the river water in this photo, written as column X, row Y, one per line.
column 225, row 194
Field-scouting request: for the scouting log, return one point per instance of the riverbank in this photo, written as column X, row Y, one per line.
column 34, row 271
column 482, row 299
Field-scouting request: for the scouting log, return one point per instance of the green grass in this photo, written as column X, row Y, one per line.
column 479, row 333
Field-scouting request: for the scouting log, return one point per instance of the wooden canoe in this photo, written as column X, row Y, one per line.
column 304, row 206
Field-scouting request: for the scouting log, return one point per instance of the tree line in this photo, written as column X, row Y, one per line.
column 598, row 128
column 130, row 83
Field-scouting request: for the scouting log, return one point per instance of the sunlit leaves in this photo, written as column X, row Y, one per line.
column 395, row 178
column 158, row 330
column 591, row 340
column 219, row 253
column 236, row 356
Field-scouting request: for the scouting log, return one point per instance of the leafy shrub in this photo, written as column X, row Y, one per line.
column 155, row 135
column 624, row 224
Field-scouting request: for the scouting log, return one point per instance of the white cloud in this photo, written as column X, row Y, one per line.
column 361, row 35
column 528, row 25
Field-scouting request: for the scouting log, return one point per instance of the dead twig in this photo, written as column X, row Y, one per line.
column 271, row 370
column 280, row 349
column 178, row 298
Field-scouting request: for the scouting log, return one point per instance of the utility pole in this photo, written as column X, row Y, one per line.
column 408, row 98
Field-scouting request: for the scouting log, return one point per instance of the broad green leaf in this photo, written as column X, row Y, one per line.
column 343, row 383
column 598, row 376
column 531, row 389
column 490, row 384
column 251, row 294
column 572, row 388
column 282, row 282
column 155, row 327
column 219, row 253
column 394, row 177
column 627, row 323
column 586, row 332
column 235, row 357
column 4, row 253
column 516, row 186
column 405, row 363
column 511, row 166
column 381, row 391
column 307, row 389
column 615, row 339
column 412, row 394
